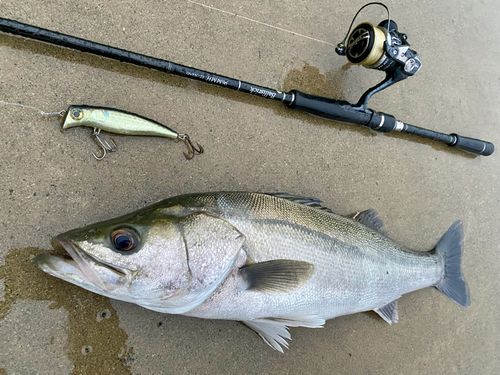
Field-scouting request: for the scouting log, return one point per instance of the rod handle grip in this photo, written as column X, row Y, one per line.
column 472, row 145
column 338, row 110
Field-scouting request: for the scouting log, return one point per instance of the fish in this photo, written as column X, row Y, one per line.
column 271, row 261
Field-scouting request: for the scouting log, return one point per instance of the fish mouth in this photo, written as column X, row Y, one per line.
column 78, row 267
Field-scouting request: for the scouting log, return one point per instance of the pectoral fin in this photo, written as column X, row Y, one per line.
column 277, row 275
column 389, row 312
column 274, row 331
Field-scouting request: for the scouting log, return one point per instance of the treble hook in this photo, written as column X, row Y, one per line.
column 104, row 144
column 192, row 151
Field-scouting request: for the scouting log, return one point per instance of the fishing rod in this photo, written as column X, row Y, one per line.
column 381, row 47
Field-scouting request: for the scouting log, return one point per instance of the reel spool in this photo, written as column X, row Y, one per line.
column 381, row 48
column 365, row 45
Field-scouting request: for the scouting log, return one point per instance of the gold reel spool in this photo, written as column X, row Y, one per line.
column 365, row 45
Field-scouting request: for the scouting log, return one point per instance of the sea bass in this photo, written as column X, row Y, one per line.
column 272, row 261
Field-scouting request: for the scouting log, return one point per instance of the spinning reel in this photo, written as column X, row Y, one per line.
column 380, row 47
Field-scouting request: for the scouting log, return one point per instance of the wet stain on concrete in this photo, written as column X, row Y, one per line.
column 310, row 80
column 93, row 343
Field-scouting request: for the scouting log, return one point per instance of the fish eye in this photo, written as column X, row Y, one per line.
column 76, row 114
column 124, row 239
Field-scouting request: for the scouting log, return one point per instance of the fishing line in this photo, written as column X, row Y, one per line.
column 260, row 23
column 43, row 113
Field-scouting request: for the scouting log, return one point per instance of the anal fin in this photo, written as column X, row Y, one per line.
column 274, row 331
column 389, row 312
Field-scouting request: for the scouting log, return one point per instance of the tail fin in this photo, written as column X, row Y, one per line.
column 450, row 246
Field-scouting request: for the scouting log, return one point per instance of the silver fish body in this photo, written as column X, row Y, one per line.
column 271, row 261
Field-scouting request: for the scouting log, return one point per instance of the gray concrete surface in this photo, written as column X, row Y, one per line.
column 49, row 182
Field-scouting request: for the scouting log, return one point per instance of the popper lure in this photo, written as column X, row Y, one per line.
column 124, row 123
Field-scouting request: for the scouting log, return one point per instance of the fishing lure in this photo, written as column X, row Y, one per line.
column 114, row 121
column 121, row 122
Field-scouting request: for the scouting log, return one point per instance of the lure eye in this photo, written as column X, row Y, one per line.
column 124, row 239
column 76, row 114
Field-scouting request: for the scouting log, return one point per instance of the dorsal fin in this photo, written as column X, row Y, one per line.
column 370, row 219
column 311, row 202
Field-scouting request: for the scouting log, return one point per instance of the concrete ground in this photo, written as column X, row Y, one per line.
column 49, row 182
